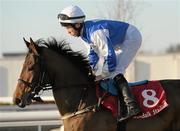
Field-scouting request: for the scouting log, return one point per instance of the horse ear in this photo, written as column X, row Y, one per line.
column 33, row 46
column 26, row 42
column 31, row 40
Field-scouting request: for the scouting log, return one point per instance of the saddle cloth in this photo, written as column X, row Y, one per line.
column 150, row 96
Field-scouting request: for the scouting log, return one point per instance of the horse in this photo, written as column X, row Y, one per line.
column 54, row 64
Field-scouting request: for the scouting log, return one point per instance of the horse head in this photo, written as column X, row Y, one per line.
column 43, row 62
column 29, row 82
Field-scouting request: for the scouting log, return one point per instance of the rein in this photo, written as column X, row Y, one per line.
column 84, row 110
column 87, row 109
column 39, row 87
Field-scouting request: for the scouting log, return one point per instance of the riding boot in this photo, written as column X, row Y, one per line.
column 130, row 102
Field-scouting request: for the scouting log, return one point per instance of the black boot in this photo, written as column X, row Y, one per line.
column 123, row 88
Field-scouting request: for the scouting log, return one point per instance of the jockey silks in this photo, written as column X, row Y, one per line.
column 104, row 36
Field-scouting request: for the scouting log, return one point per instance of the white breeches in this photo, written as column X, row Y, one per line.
column 127, row 50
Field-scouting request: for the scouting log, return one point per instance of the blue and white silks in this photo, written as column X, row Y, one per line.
column 103, row 36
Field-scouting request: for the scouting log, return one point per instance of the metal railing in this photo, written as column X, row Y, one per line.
column 37, row 116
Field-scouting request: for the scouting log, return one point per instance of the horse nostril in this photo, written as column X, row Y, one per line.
column 17, row 101
column 22, row 105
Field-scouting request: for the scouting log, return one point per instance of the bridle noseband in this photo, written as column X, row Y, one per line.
column 37, row 86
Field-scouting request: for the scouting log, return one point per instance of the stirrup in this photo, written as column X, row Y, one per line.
column 129, row 115
column 123, row 118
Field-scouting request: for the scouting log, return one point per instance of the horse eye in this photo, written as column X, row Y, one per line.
column 31, row 68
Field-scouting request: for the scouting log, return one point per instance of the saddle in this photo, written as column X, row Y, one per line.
column 150, row 96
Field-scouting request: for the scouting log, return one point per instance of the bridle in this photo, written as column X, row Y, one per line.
column 35, row 86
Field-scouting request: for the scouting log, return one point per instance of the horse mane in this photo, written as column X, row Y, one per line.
column 77, row 58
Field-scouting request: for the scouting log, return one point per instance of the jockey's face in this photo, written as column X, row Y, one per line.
column 72, row 31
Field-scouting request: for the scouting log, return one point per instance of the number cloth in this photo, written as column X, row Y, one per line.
column 151, row 98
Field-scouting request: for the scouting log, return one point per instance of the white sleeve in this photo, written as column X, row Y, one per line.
column 100, row 45
column 87, row 47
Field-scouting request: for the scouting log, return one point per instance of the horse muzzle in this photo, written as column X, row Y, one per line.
column 19, row 103
column 26, row 99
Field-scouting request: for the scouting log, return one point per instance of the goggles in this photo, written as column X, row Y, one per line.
column 65, row 17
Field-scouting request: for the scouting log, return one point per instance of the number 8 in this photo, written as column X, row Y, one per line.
column 149, row 98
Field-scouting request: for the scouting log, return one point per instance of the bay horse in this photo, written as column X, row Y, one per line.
column 73, row 84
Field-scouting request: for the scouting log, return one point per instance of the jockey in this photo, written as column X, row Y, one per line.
column 113, row 45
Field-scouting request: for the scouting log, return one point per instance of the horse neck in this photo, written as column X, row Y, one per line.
column 62, row 68
column 69, row 83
